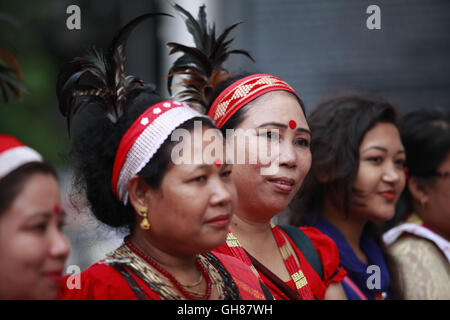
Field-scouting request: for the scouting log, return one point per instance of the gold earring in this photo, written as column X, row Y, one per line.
column 142, row 211
column 423, row 203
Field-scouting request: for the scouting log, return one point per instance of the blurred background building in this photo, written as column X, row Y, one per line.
column 318, row 46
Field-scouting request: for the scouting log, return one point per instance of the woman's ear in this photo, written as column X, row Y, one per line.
column 418, row 190
column 138, row 193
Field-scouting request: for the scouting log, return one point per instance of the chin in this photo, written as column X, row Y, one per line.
column 212, row 243
column 278, row 203
column 382, row 216
column 270, row 210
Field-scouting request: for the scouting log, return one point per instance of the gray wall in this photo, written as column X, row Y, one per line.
column 323, row 46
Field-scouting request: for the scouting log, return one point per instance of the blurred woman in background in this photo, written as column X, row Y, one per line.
column 33, row 249
column 356, row 178
column 420, row 245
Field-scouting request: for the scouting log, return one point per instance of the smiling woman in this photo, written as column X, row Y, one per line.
column 33, row 249
column 357, row 176
column 269, row 107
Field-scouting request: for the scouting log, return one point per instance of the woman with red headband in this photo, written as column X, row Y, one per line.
column 122, row 136
column 293, row 263
column 33, row 249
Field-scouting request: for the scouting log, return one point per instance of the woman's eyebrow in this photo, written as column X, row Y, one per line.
column 283, row 126
column 375, row 147
column 381, row 149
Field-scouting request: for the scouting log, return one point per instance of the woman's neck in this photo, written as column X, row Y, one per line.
column 171, row 261
column 251, row 232
column 351, row 227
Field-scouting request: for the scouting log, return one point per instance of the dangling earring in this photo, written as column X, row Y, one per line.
column 142, row 211
column 423, row 203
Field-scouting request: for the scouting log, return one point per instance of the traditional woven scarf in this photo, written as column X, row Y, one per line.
column 143, row 139
column 241, row 92
column 297, row 276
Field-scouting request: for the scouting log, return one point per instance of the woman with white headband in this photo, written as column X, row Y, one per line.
column 175, row 213
column 33, row 249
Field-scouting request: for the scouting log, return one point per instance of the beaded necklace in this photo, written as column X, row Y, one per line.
column 159, row 268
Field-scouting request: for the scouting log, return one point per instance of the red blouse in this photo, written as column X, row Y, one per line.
column 328, row 254
column 102, row 282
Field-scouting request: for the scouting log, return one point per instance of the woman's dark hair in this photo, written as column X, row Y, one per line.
column 426, row 138
column 100, row 103
column 13, row 183
column 338, row 126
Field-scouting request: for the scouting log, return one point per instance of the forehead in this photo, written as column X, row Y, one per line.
column 276, row 106
column 40, row 193
column 200, row 145
column 382, row 135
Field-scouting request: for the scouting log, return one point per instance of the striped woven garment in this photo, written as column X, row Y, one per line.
column 295, row 272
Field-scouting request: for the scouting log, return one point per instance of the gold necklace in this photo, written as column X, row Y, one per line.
column 193, row 284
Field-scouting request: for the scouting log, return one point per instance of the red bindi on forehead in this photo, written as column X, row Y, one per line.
column 57, row 209
column 218, row 163
column 292, row 124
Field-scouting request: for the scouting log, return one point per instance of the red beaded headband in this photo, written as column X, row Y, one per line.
column 242, row 92
column 143, row 139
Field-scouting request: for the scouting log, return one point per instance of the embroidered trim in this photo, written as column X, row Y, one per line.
column 242, row 92
column 124, row 256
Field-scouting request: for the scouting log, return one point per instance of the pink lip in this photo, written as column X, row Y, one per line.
column 388, row 195
column 54, row 276
column 220, row 221
column 282, row 184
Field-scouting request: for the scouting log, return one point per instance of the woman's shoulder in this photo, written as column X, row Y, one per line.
column 328, row 253
column 409, row 245
column 320, row 240
column 419, row 258
column 98, row 282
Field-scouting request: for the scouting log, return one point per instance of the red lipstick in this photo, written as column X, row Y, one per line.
column 54, row 276
column 282, row 184
column 388, row 195
column 220, row 221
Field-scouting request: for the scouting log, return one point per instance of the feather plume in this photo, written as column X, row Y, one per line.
column 99, row 75
column 201, row 67
column 11, row 77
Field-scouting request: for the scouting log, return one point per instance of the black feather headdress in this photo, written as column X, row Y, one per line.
column 201, row 66
column 99, row 76
column 11, row 77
